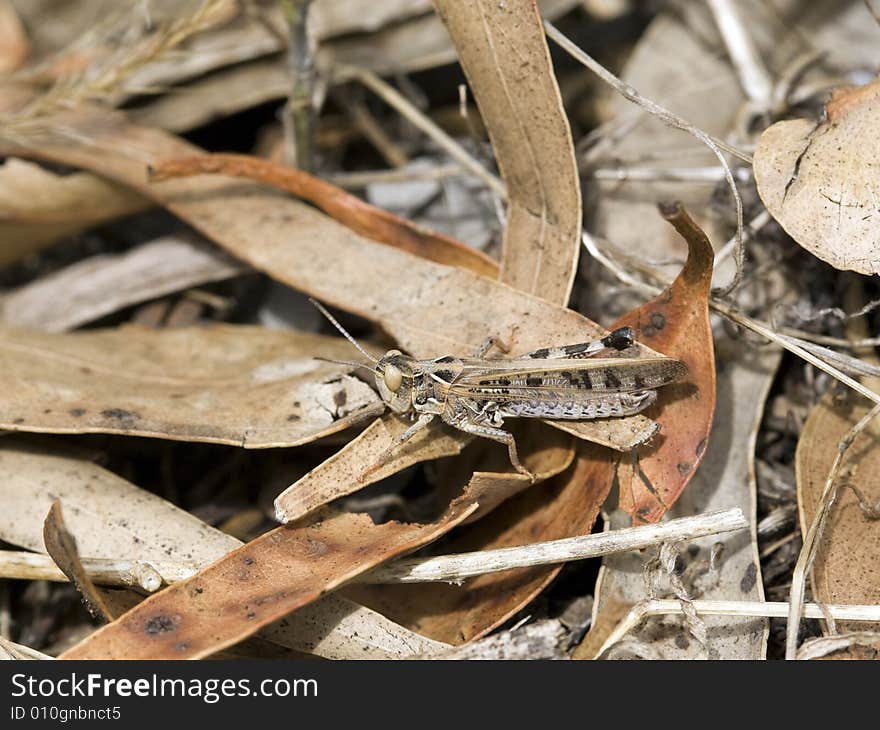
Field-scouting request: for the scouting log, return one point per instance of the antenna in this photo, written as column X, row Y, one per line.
column 345, row 362
column 320, row 307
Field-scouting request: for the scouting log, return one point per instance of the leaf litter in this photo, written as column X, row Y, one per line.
column 428, row 294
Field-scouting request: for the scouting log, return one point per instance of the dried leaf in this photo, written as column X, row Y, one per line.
column 216, row 96
column 61, row 546
column 562, row 507
column 503, row 51
column 239, row 385
column 14, row 45
column 114, row 519
column 257, row 584
column 38, row 207
column 676, row 322
column 848, row 545
column 540, row 640
column 363, row 218
column 820, row 182
column 416, row 44
column 334, row 264
column 725, row 479
column 348, row 470
column 858, row 645
column 103, row 284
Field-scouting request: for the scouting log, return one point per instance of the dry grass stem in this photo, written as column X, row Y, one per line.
column 673, row 120
column 298, row 118
column 455, row 568
column 151, row 575
column 147, row 575
column 361, row 179
column 758, row 609
column 753, row 76
column 406, row 108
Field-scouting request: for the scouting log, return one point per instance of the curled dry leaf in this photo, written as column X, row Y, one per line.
column 61, row 546
column 819, row 179
column 842, row 571
column 676, row 322
column 112, row 518
column 38, row 207
column 726, row 478
column 257, row 584
column 544, row 452
column 239, row 385
column 430, row 309
column 103, row 284
column 858, row 645
column 503, row 51
column 368, row 220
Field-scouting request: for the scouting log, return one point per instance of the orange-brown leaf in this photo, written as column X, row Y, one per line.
column 368, row 220
column 676, row 323
column 260, row 582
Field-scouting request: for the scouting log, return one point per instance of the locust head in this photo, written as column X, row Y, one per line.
column 396, row 375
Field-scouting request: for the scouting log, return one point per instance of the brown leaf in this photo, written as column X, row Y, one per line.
column 503, row 51
column 348, row 470
column 562, row 507
column 820, row 182
column 726, row 478
column 368, row 220
column 239, row 385
column 676, row 323
column 61, row 546
column 848, row 545
column 249, row 588
column 14, row 45
column 103, row 284
column 114, row 519
column 430, row 309
column 38, row 207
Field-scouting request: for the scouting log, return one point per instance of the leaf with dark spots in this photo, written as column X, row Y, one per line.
column 112, row 519
column 183, row 622
column 238, row 385
column 676, row 323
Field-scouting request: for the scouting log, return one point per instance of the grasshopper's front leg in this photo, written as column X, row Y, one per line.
column 457, row 414
column 423, row 420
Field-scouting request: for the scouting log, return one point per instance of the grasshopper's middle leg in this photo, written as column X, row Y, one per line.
column 462, row 419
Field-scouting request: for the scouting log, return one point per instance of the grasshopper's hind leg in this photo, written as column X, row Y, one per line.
column 499, row 435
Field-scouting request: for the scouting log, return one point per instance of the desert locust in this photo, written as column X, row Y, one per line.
column 476, row 394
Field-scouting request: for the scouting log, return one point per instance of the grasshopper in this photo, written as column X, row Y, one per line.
column 476, row 394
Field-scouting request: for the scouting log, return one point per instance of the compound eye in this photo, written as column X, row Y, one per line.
column 393, row 378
